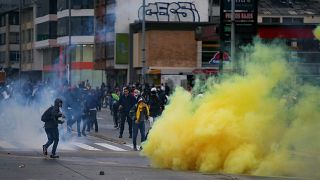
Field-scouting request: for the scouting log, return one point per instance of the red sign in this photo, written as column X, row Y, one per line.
column 217, row 58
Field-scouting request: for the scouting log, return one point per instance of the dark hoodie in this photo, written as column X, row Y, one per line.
column 55, row 114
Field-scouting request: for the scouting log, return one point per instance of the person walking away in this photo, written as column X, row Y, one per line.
column 126, row 102
column 51, row 128
column 141, row 115
column 91, row 106
column 115, row 108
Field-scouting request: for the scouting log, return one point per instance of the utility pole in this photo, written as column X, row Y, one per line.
column 20, row 41
column 143, row 41
column 233, row 28
column 68, row 69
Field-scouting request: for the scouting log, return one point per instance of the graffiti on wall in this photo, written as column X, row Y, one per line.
column 173, row 12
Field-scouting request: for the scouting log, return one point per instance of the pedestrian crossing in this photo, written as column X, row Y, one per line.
column 74, row 146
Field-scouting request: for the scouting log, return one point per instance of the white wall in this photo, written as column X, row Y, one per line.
column 128, row 12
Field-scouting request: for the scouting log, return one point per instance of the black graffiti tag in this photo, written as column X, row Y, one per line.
column 173, row 12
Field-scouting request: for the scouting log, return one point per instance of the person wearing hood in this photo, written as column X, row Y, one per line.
column 51, row 128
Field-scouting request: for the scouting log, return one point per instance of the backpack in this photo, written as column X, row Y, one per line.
column 47, row 115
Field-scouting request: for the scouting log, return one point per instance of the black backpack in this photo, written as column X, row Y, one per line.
column 47, row 115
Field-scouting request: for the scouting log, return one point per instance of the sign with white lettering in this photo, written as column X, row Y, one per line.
column 245, row 20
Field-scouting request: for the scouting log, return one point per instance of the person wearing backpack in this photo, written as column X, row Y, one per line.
column 51, row 119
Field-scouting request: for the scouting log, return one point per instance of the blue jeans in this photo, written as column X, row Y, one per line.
column 53, row 137
column 140, row 126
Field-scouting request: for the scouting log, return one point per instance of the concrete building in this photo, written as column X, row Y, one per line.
column 31, row 68
column 9, row 43
column 170, row 49
column 64, row 41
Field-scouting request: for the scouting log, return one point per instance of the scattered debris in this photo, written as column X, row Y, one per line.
column 22, row 166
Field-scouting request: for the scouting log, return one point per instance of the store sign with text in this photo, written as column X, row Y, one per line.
column 245, row 18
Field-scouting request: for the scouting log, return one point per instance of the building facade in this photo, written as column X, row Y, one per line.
column 9, row 43
column 123, row 45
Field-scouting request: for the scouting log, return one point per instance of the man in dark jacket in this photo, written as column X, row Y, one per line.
column 51, row 128
column 126, row 102
column 154, row 106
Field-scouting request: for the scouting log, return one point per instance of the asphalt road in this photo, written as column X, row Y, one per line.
column 100, row 155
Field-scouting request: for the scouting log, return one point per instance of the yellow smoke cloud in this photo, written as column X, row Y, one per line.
column 316, row 32
column 259, row 123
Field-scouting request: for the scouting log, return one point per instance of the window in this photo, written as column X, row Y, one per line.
column 14, row 38
column 2, row 56
column 82, row 26
column 30, row 56
column 63, row 27
column 84, row 4
column 46, row 30
column 2, row 20
column 76, row 55
column 62, row 5
column 290, row 20
column 42, row 8
column 270, row 20
column 2, row 39
column 88, row 53
column 110, row 21
column 110, row 50
column 14, row 18
column 14, row 56
column 42, row 31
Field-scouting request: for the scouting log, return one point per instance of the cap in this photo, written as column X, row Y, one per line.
column 153, row 89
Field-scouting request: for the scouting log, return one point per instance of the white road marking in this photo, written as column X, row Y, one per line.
column 108, row 146
column 6, row 145
column 129, row 145
column 84, row 146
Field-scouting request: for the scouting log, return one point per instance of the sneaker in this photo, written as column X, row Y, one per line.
column 120, row 136
column 44, row 150
column 140, row 148
column 83, row 133
column 54, row 156
column 79, row 135
column 130, row 136
column 135, row 149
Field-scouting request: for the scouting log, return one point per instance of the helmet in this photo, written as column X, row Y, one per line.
column 57, row 102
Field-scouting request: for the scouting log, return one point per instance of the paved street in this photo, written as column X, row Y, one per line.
column 87, row 157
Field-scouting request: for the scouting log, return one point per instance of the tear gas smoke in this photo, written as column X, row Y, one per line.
column 258, row 123
column 21, row 127
column 316, row 32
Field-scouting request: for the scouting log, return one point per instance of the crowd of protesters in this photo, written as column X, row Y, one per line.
column 135, row 104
